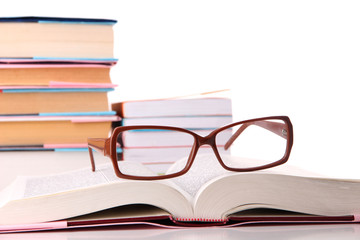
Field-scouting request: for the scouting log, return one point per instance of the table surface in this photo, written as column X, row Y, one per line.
column 303, row 232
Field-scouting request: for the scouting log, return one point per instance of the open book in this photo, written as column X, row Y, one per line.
column 207, row 195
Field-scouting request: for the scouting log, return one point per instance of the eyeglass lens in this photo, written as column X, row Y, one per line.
column 253, row 144
column 152, row 152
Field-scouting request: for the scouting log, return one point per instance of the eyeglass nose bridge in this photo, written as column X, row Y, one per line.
column 199, row 141
column 207, row 140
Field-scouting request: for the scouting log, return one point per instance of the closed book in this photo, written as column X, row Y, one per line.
column 34, row 101
column 100, row 198
column 181, row 121
column 43, row 73
column 174, row 107
column 56, row 37
column 38, row 130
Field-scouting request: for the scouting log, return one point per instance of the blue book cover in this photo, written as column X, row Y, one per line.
column 39, row 61
column 58, row 19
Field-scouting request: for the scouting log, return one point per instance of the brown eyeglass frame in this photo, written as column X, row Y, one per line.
column 108, row 146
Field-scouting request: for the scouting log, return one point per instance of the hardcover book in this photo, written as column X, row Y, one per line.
column 57, row 129
column 54, row 81
column 24, row 37
column 17, row 101
column 206, row 195
column 31, row 72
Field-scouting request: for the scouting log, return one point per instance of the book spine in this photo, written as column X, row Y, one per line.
column 217, row 221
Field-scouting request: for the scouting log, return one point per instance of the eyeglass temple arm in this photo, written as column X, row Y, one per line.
column 275, row 127
column 100, row 145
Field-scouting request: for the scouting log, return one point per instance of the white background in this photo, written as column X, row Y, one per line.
column 295, row 58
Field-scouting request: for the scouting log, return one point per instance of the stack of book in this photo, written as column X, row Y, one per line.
column 54, row 80
column 160, row 149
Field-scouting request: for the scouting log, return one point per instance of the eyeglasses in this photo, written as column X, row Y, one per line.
column 153, row 152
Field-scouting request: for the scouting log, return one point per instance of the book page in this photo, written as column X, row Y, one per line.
column 43, row 185
column 205, row 168
column 76, row 193
column 32, row 186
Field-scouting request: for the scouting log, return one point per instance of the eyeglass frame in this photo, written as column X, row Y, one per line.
column 108, row 146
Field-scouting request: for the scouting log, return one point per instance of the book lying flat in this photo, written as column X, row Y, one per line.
column 56, row 37
column 192, row 122
column 33, row 101
column 174, row 107
column 32, row 72
column 204, row 196
column 39, row 130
